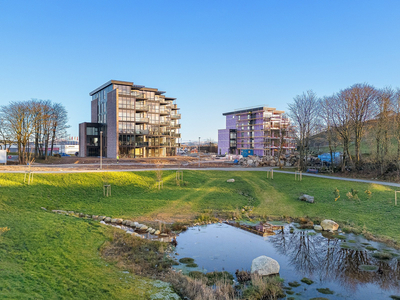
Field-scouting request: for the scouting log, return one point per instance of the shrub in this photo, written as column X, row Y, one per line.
column 264, row 288
column 336, row 192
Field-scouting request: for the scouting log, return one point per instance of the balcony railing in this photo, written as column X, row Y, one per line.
column 141, row 132
column 177, row 116
column 138, row 95
column 176, row 135
column 142, row 120
column 165, row 123
column 174, row 106
column 142, row 107
column 175, row 125
column 141, row 144
column 165, row 111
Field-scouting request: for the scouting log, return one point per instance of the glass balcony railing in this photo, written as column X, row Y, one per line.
column 174, row 125
column 138, row 95
column 176, row 116
column 141, row 132
column 142, row 120
column 142, row 107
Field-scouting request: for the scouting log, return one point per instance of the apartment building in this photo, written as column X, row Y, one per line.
column 256, row 131
column 129, row 120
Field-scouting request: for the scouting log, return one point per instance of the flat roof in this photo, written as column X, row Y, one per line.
column 243, row 110
column 109, row 83
column 134, row 86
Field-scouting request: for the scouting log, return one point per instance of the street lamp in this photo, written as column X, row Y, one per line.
column 101, row 150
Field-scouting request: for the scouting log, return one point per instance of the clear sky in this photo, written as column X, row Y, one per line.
column 213, row 56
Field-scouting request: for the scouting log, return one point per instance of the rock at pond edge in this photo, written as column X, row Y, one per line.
column 264, row 265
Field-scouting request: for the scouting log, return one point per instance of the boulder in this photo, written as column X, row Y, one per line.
column 152, row 231
column 124, row 222
column 134, row 224
column 231, row 180
column 119, row 221
column 113, row 220
column 157, row 232
column 101, row 218
column 264, row 265
column 144, row 227
column 318, row 227
column 128, row 223
column 138, row 225
column 94, row 217
column 107, row 219
column 307, row 198
column 329, row 225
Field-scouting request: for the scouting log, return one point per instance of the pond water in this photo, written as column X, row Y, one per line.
column 330, row 262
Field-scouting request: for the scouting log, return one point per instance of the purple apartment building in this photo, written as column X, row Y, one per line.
column 256, row 131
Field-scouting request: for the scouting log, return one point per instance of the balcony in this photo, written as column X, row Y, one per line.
column 138, row 95
column 154, row 133
column 141, row 132
column 141, row 144
column 174, row 107
column 176, row 135
column 165, row 123
column 142, row 120
column 165, row 112
column 142, row 107
column 175, row 125
column 176, row 116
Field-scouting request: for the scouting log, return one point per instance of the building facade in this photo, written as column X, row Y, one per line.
column 130, row 120
column 256, row 131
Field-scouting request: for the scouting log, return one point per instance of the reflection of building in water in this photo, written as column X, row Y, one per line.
column 325, row 259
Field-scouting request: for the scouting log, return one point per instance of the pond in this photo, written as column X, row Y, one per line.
column 346, row 265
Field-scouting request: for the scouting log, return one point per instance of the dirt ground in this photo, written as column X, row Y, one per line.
column 93, row 163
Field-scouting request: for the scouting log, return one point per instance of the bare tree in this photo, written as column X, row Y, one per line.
column 5, row 134
column 59, row 119
column 341, row 122
column 384, row 110
column 326, row 114
column 20, row 118
column 396, row 111
column 304, row 113
column 359, row 98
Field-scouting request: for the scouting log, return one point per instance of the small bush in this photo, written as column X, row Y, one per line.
column 336, row 192
column 264, row 288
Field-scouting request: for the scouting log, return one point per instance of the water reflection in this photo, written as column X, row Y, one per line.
column 324, row 259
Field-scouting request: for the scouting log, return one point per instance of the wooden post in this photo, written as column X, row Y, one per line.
column 270, row 172
column 30, row 177
column 298, row 174
column 395, row 197
column 106, row 190
column 160, row 184
column 179, row 177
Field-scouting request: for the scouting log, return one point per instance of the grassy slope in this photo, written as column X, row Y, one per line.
column 52, row 256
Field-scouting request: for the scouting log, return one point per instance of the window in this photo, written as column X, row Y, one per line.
column 92, row 131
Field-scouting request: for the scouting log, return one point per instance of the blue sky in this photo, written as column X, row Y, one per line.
column 213, row 56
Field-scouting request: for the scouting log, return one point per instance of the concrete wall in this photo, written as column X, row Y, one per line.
column 82, row 140
column 94, row 108
column 223, row 141
column 112, row 124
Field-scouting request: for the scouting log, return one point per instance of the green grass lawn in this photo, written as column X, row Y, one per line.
column 50, row 256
